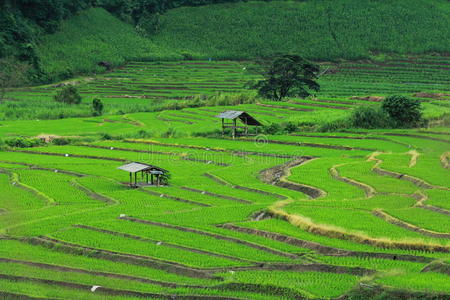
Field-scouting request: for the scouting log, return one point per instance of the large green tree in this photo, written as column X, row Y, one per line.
column 287, row 75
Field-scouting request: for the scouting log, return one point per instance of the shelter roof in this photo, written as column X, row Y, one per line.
column 137, row 167
column 242, row 115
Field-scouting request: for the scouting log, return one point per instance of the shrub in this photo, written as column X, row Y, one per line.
column 69, row 95
column 404, row 111
column 273, row 128
column 370, row 117
column 62, row 141
column 23, row 142
column 106, row 136
column 97, row 107
column 290, row 127
column 335, row 125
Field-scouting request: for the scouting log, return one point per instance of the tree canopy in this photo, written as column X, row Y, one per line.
column 287, row 75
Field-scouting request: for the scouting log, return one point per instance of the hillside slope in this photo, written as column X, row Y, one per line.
column 319, row 30
column 90, row 37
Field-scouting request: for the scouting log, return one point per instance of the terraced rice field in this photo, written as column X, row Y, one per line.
column 239, row 219
column 145, row 86
column 315, row 215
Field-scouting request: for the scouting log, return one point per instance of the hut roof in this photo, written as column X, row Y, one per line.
column 242, row 115
column 137, row 167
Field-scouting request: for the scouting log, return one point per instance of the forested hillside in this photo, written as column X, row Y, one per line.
column 62, row 38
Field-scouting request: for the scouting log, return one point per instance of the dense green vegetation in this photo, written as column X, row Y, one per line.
column 320, row 30
column 326, row 200
column 154, row 30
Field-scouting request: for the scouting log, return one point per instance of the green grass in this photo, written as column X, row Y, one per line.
column 321, row 30
column 90, row 37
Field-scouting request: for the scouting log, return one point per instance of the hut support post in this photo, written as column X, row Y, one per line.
column 135, row 179
column 246, row 126
column 146, row 180
column 131, row 179
column 234, row 128
column 223, row 127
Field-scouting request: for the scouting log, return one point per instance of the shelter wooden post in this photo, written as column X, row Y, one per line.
column 234, row 128
column 223, row 126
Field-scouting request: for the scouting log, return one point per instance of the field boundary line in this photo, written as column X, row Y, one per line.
column 92, row 194
column 216, row 195
column 334, row 232
column 171, row 267
column 444, row 160
column 322, row 249
column 14, row 179
column 152, row 241
column 278, row 175
column 108, row 291
column 213, row 235
column 96, row 273
column 395, row 221
column 368, row 190
column 161, row 195
column 240, row 187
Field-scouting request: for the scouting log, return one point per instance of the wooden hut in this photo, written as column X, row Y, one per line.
column 153, row 174
column 229, row 120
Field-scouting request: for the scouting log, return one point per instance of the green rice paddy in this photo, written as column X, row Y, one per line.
column 223, row 228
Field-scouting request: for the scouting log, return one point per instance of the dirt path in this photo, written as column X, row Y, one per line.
column 368, row 190
column 444, row 160
column 421, row 198
column 277, row 176
column 414, row 155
